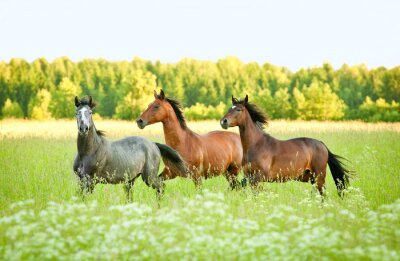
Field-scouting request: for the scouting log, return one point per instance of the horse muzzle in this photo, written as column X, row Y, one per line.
column 141, row 123
column 224, row 123
column 83, row 129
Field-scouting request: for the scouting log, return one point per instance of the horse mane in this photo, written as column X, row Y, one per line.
column 256, row 114
column 178, row 111
column 101, row 133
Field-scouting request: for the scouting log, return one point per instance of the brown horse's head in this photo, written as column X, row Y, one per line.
column 155, row 112
column 240, row 110
column 159, row 110
column 236, row 114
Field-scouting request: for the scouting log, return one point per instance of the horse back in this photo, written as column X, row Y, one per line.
column 132, row 153
column 307, row 153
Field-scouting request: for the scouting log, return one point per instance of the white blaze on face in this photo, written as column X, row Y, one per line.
column 234, row 106
column 83, row 117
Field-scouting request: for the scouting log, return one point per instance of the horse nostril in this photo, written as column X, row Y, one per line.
column 225, row 121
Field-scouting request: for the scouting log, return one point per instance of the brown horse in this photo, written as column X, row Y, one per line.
column 212, row 154
column 268, row 159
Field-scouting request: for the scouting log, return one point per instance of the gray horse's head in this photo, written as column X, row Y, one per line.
column 83, row 114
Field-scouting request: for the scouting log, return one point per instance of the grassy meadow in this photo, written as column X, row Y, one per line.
column 42, row 218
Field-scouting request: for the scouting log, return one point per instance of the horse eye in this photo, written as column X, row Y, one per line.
column 239, row 109
column 156, row 107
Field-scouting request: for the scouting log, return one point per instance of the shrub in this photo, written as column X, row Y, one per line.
column 380, row 110
column 200, row 111
column 12, row 110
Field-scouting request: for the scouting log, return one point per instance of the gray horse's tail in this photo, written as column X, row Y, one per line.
column 172, row 159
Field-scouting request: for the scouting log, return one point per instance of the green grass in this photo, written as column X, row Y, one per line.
column 41, row 217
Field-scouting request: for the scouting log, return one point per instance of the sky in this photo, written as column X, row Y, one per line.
column 290, row 33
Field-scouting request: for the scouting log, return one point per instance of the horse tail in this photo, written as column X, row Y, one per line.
column 340, row 173
column 172, row 159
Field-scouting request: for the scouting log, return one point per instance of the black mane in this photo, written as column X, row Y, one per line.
column 257, row 116
column 178, row 111
column 101, row 133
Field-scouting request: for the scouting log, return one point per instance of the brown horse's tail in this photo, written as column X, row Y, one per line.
column 172, row 159
column 340, row 173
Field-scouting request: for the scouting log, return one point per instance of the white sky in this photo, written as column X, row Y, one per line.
column 288, row 33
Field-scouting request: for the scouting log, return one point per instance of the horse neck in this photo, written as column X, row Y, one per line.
column 88, row 143
column 174, row 134
column 250, row 134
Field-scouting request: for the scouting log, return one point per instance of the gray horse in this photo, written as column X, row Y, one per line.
column 102, row 161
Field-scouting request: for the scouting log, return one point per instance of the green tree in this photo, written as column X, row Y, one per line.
column 319, row 102
column 199, row 111
column 300, row 104
column 282, row 107
column 62, row 102
column 281, row 93
column 138, row 95
column 380, row 110
column 12, row 110
column 21, row 86
column 264, row 100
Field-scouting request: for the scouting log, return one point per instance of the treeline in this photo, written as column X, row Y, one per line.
column 42, row 89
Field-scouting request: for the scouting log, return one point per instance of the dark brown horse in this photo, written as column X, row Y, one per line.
column 268, row 159
column 212, row 154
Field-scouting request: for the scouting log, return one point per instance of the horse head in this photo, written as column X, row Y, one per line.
column 156, row 111
column 83, row 114
column 235, row 114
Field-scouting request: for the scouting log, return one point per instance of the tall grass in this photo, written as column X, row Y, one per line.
column 41, row 217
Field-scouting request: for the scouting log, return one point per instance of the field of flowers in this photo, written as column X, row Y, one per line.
column 42, row 218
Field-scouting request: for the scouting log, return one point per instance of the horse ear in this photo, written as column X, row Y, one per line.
column 234, row 100
column 155, row 94
column 162, row 95
column 246, row 99
column 77, row 103
column 92, row 104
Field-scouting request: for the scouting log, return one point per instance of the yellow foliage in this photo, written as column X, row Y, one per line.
column 39, row 106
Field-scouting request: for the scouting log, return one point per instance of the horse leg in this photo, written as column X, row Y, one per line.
column 152, row 180
column 167, row 174
column 231, row 175
column 86, row 184
column 128, row 185
column 320, row 180
column 255, row 178
column 195, row 175
column 312, row 181
column 310, row 176
column 198, row 182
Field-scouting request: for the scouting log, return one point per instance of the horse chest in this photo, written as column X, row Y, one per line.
column 86, row 166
